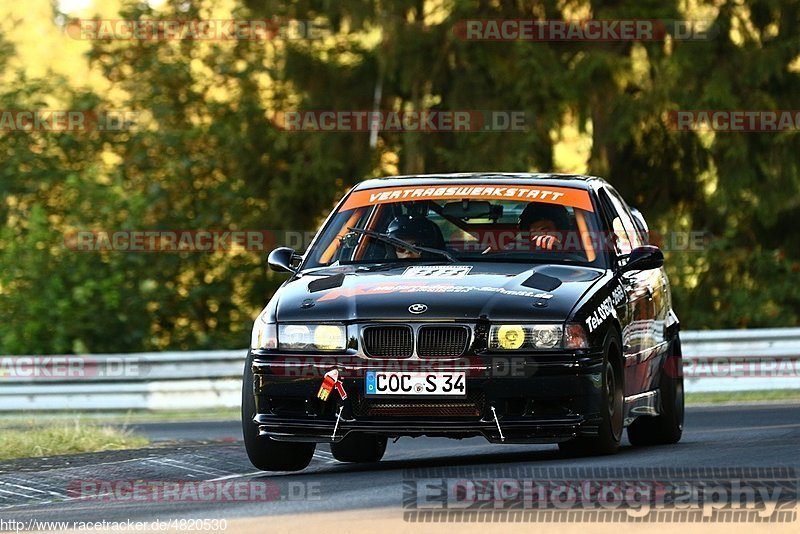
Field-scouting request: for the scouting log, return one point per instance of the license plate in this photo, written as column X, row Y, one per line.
column 415, row 383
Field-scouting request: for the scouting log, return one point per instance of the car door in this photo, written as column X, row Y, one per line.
column 640, row 337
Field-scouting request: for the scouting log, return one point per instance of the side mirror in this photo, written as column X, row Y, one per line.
column 643, row 259
column 280, row 260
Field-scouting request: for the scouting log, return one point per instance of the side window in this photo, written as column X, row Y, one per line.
column 626, row 237
column 623, row 241
column 641, row 225
column 627, row 219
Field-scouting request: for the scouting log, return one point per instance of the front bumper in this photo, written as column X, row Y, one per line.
column 536, row 399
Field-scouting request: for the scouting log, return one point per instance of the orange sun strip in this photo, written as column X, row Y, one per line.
column 372, row 224
column 585, row 236
column 565, row 196
column 329, row 252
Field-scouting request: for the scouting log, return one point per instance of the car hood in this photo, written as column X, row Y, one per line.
column 508, row 292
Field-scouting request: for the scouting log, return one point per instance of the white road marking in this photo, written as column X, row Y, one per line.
column 48, row 492
column 168, row 462
column 326, row 456
column 237, row 475
column 744, row 428
column 319, row 455
column 15, row 493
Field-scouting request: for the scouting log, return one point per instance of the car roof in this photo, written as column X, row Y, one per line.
column 577, row 181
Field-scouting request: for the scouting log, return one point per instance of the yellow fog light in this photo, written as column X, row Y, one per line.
column 510, row 336
column 329, row 337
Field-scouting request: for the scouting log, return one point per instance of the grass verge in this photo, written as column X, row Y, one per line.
column 127, row 417
column 743, row 396
column 65, row 437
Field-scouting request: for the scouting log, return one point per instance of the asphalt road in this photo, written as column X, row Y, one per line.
column 716, row 439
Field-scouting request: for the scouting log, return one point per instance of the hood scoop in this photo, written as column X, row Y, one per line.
column 542, row 281
column 329, row 282
column 568, row 273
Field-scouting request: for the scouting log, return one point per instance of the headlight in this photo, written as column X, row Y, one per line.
column 525, row 336
column 265, row 335
column 323, row 337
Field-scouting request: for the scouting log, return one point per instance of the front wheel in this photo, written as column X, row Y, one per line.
column 264, row 452
column 610, row 431
column 666, row 428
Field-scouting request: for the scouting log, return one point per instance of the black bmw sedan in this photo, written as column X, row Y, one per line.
column 524, row 308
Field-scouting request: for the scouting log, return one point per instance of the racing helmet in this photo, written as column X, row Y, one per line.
column 416, row 230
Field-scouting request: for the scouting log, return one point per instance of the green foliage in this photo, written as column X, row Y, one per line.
column 205, row 154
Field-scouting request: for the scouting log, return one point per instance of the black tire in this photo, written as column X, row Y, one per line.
column 359, row 448
column 666, row 428
column 610, row 431
column 264, row 452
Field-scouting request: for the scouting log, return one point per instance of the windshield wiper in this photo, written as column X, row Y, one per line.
column 403, row 244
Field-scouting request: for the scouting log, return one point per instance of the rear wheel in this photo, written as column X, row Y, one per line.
column 610, row 431
column 359, row 448
column 667, row 427
column 264, row 452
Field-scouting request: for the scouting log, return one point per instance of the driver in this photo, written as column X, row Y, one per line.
column 416, row 230
column 544, row 223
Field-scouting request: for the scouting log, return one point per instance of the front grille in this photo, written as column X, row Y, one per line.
column 388, row 341
column 470, row 406
column 442, row 341
column 428, row 409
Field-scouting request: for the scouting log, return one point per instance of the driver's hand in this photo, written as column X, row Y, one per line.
column 545, row 242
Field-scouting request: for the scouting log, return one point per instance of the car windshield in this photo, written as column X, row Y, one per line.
column 469, row 223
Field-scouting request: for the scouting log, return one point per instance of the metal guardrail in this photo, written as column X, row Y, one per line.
column 741, row 360
column 142, row 381
column 719, row 360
